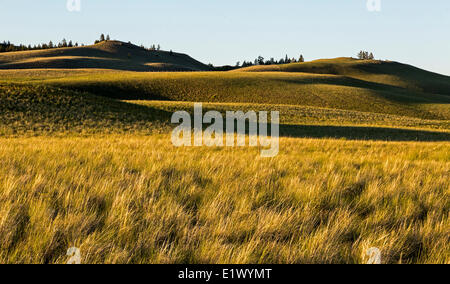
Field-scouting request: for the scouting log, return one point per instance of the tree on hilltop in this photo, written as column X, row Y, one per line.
column 260, row 60
column 361, row 55
column 365, row 55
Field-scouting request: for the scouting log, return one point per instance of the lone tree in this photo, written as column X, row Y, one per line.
column 371, row 57
column 302, row 59
column 102, row 37
column 108, row 38
column 260, row 60
column 361, row 55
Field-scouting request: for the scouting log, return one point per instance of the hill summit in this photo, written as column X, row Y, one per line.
column 383, row 73
column 109, row 54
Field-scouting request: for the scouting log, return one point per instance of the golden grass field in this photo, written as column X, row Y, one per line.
column 137, row 199
column 86, row 161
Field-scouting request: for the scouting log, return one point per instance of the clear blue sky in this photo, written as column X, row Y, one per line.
column 226, row 31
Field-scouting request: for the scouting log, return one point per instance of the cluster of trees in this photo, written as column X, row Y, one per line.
column 102, row 38
column 365, row 55
column 8, row 46
column 152, row 47
column 261, row 61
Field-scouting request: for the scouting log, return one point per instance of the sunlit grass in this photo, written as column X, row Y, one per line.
column 79, row 169
column 317, row 90
column 137, row 199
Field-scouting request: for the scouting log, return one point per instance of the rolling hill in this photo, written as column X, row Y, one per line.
column 104, row 55
column 327, row 92
column 86, row 160
column 86, row 102
column 381, row 72
column 288, row 88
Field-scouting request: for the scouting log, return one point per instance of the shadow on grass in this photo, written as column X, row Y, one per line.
column 389, row 92
column 361, row 133
column 34, row 109
column 95, row 63
column 28, row 107
column 372, row 133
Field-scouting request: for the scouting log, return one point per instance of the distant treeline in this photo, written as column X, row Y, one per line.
column 261, row 61
column 9, row 47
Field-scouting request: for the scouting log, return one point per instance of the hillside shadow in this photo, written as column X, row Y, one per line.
column 94, row 63
column 36, row 109
column 116, row 91
column 388, row 92
column 430, row 82
column 361, row 133
column 369, row 133
column 113, row 55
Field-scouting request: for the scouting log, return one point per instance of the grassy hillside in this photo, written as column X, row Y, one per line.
column 39, row 110
column 381, row 72
column 105, row 55
column 30, row 110
column 329, row 91
column 86, row 161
